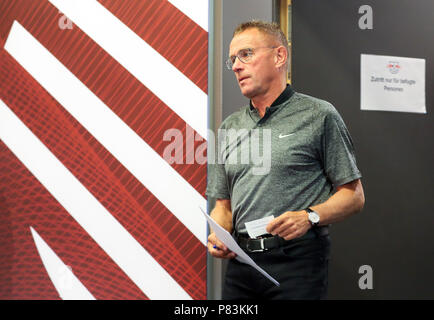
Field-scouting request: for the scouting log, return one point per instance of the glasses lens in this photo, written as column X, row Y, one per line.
column 229, row 64
column 245, row 55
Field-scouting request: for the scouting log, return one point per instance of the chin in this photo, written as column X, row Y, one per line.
column 248, row 93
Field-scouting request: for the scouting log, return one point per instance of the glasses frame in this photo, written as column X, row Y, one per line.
column 229, row 63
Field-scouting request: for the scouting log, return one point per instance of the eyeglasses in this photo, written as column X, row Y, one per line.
column 244, row 55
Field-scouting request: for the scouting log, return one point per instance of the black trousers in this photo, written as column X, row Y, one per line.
column 300, row 266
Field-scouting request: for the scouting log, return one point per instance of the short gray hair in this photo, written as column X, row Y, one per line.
column 270, row 28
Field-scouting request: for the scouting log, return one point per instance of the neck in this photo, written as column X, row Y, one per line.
column 261, row 102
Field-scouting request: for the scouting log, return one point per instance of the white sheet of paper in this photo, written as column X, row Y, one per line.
column 389, row 83
column 230, row 242
column 257, row 227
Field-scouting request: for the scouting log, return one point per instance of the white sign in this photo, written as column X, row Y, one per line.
column 392, row 83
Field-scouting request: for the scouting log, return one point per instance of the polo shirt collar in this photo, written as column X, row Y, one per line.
column 284, row 96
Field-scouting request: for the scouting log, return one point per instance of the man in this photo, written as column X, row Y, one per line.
column 313, row 180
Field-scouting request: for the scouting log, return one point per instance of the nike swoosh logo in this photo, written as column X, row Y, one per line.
column 284, row 135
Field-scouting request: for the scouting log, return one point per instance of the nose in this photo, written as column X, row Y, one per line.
column 237, row 65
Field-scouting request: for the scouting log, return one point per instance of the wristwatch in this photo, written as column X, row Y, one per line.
column 313, row 217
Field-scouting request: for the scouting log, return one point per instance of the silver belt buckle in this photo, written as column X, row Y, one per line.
column 257, row 250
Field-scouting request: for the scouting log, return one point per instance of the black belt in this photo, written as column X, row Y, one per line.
column 270, row 242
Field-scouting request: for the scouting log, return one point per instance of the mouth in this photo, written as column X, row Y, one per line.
column 241, row 79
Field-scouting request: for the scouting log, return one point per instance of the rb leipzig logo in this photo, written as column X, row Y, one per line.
column 393, row 67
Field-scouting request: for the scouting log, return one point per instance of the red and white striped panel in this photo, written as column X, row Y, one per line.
column 89, row 207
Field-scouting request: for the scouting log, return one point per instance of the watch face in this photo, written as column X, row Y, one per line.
column 313, row 217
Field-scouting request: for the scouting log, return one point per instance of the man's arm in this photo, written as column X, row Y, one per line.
column 347, row 200
column 222, row 214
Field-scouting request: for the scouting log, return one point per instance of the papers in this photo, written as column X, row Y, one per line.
column 392, row 83
column 257, row 227
column 230, row 242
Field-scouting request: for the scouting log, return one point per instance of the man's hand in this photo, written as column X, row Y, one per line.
column 217, row 249
column 290, row 225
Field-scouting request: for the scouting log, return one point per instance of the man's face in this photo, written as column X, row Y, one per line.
column 256, row 76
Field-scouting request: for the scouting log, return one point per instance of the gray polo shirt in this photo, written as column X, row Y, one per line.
column 300, row 151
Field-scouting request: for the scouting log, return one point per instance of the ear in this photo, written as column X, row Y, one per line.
column 281, row 56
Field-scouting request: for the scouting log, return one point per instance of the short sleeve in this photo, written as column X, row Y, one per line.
column 216, row 182
column 217, row 186
column 338, row 152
